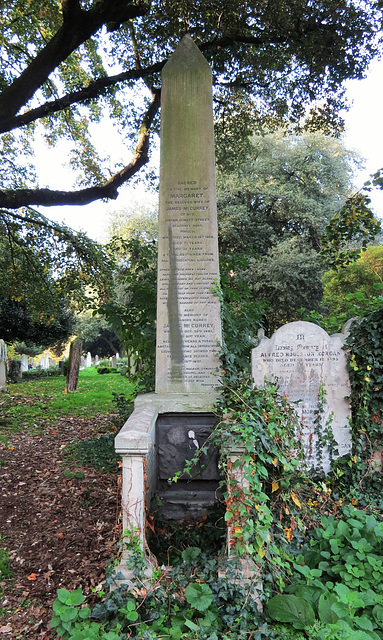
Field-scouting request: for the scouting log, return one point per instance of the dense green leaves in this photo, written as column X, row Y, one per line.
column 46, row 268
column 274, row 211
column 62, row 66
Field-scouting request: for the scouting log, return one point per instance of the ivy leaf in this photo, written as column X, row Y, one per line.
column 274, row 486
column 191, row 554
column 199, row 596
column 295, row 500
column 287, row 608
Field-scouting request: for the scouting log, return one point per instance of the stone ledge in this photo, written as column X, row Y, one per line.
column 179, row 402
column 135, row 436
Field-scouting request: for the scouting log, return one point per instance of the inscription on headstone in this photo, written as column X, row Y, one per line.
column 188, row 314
column 303, row 356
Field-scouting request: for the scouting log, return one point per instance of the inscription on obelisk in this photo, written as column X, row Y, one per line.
column 188, row 313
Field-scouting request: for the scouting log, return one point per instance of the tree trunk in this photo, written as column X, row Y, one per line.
column 73, row 365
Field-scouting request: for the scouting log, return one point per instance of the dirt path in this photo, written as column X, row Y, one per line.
column 59, row 532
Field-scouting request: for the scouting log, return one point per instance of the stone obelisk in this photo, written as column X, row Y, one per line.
column 188, row 313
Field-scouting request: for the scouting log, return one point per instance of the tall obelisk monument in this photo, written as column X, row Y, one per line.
column 188, row 313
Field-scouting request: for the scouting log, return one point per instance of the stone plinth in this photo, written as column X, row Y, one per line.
column 302, row 356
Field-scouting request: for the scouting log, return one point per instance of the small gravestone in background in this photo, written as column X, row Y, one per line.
column 96, row 361
column 88, row 360
column 3, row 366
column 304, row 358
column 24, row 363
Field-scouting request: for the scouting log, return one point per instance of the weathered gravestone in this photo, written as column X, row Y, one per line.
column 3, row 364
column 176, row 419
column 88, row 360
column 188, row 314
column 304, row 359
column 24, row 363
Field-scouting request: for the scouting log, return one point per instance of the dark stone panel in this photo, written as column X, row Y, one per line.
column 179, row 436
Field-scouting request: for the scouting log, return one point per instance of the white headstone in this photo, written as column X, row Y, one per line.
column 24, row 363
column 46, row 361
column 188, row 313
column 3, row 368
column 82, row 363
column 303, row 356
column 113, row 361
column 96, row 360
column 88, row 359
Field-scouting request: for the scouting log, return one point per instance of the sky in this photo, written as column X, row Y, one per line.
column 364, row 134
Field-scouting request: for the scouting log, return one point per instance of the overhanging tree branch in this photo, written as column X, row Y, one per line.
column 78, row 26
column 14, row 199
column 96, row 88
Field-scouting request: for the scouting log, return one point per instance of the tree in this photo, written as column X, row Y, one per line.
column 98, row 335
column 73, row 365
column 16, row 324
column 44, row 264
column 358, row 282
column 137, row 220
column 63, row 66
column 131, row 310
column 275, row 210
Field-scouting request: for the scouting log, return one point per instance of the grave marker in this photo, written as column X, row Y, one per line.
column 303, row 356
column 188, row 314
column 3, row 367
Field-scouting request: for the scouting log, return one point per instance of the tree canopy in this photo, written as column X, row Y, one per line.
column 280, row 208
column 67, row 64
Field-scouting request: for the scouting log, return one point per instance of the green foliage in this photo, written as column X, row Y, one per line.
column 47, row 269
column 262, row 427
column 337, row 580
column 289, row 608
column 170, row 539
column 365, row 366
column 132, row 310
column 354, row 222
column 67, row 612
column 188, row 600
column 241, row 315
column 124, row 406
column 52, row 328
column 352, row 289
column 97, row 335
column 36, row 374
column 273, row 211
column 98, row 453
column 5, row 570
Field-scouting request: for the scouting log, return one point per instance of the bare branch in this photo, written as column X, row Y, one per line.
column 14, row 199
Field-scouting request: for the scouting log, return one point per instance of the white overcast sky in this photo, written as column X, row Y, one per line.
column 364, row 134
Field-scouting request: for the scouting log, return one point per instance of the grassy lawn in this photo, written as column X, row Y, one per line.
column 28, row 404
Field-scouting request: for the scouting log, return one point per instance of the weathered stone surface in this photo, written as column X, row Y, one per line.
column 303, row 356
column 179, row 437
column 188, row 314
column 24, row 363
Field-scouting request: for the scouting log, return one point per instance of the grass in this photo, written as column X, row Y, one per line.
column 26, row 405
